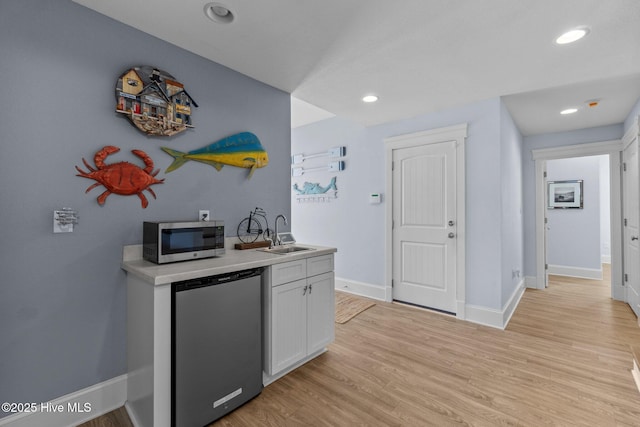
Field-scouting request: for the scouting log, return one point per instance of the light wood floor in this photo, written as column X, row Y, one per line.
column 563, row 360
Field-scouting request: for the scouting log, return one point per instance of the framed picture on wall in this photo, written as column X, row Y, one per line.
column 564, row 194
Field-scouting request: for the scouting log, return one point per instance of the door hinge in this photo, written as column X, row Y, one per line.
column 546, row 220
column 624, row 167
column 625, row 222
column 626, row 277
column 544, row 174
column 392, row 283
column 546, row 266
column 393, row 165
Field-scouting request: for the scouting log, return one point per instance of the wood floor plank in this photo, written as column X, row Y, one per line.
column 563, row 360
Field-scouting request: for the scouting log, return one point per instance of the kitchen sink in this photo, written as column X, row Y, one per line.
column 283, row 250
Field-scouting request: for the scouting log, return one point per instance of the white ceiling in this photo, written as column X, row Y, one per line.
column 418, row 56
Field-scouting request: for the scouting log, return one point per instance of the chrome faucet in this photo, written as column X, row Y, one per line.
column 276, row 239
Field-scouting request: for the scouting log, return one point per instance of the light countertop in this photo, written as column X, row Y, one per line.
column 232, row 260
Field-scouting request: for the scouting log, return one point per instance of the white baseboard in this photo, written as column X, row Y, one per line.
column 492, row 317
column 360, row 288
column 132, row 415
column 531, row 282
column 606, row 259
column 74, row 408
column 583, row 273
column 511, row 305
column 636, row 374
column 472, row 313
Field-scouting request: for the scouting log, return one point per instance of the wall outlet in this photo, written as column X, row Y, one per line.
column 203, row 215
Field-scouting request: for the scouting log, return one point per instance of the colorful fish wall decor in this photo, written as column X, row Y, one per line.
column 155, row 102
column 242, row 150
column 122, row 178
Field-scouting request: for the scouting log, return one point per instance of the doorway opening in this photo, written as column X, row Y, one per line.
column 612, row 149
column 578, row 219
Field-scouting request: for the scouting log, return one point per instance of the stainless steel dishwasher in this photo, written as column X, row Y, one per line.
column 216, row 360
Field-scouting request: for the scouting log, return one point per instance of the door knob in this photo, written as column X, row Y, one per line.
column 451, row 235
column 634, row 238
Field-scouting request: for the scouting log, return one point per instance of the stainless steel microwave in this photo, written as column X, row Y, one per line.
column 164, row 242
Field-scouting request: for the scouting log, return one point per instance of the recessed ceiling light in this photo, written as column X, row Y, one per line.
column 369, row 98
column 573, row 35
column 568, row 111
column 219, row 13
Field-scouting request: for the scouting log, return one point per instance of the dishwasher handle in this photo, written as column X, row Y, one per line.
column 186, row 285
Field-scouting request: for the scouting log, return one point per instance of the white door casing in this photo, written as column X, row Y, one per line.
column 424, row 246
column 631, row 222
column 540, row 156
column 425, row 188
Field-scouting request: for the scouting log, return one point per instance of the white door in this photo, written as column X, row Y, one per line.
column 631, row 214
column 424, row 225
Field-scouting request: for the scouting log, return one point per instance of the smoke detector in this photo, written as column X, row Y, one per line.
column 592, row 103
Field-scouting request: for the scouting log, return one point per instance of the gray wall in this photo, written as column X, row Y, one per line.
column 511, row 201
column 356, row 228
column 62, row 296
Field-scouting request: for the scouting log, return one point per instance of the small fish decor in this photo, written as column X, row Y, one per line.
column 242, row 150
column 315, row 192
column 155, row 102
column 122, row 178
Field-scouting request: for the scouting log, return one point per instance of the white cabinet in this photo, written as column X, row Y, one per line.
column 320, row 312
column 300, row 312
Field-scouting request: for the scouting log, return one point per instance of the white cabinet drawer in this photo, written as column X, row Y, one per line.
column 288, row 272
column 319, row 264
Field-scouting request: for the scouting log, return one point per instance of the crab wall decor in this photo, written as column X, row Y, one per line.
column 122, row 178
column 155, row 102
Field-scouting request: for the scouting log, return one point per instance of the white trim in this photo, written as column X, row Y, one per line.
column 635, row 372
column 360, row 288
column 511, row 305
column 579, row 272
column 484, row 316
column 492, row 317
column 433, row 136
column 99, row 398
column 438, row 135
column 132, row 415
column 541, row 273
column 531, row 282
column 605, row 259
column 613, row 149
column 577, row 150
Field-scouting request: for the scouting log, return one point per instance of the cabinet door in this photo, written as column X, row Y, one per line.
column 289, row 324
column 321, row 311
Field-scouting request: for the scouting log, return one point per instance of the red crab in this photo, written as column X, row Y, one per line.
column 123, row 177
